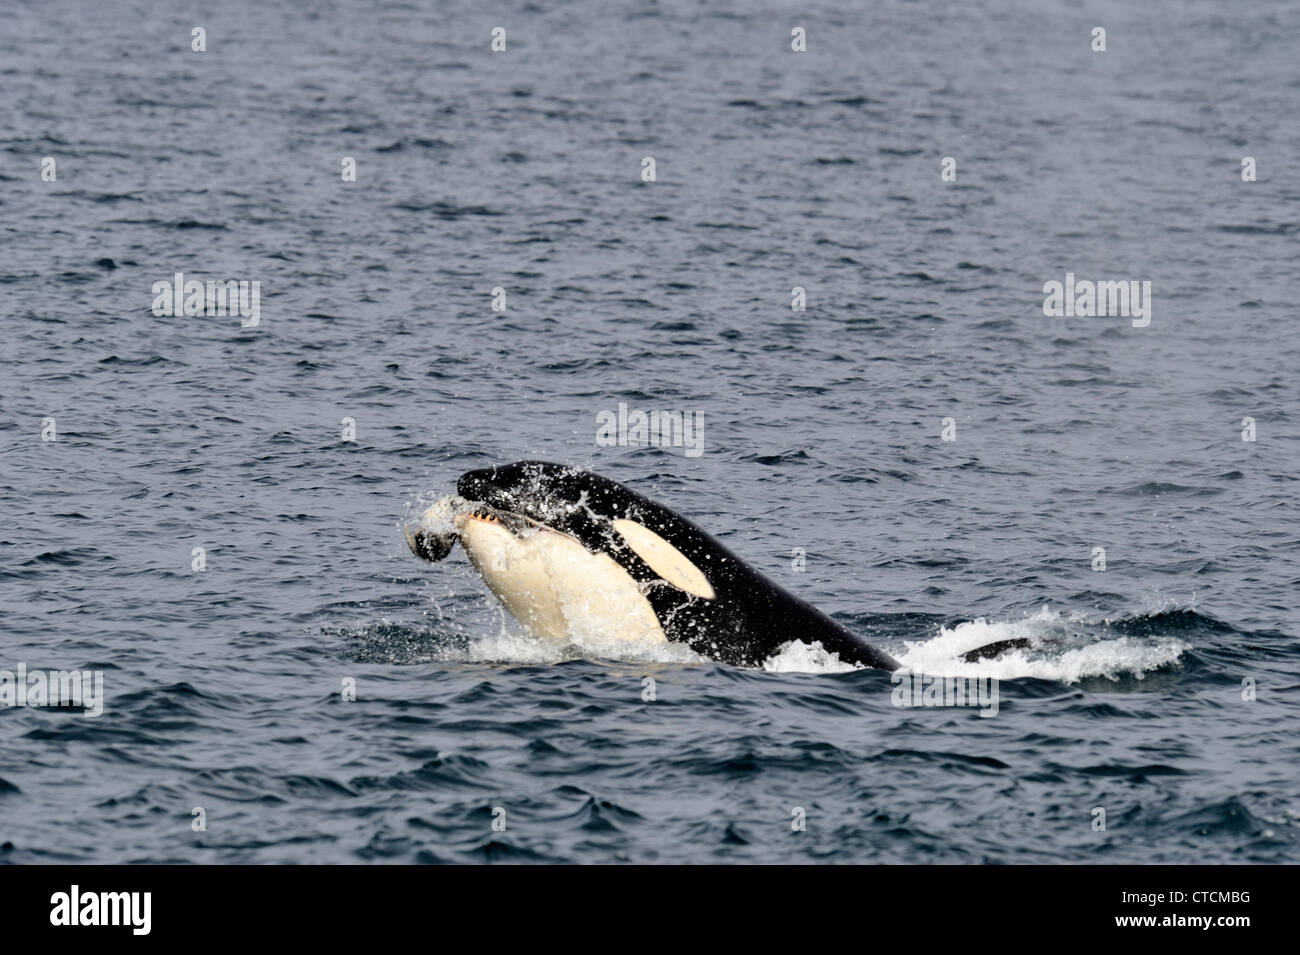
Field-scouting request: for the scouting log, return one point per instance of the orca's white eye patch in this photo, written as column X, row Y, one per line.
column 664, row 559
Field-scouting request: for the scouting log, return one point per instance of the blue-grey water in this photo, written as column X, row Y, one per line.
column 522, row 170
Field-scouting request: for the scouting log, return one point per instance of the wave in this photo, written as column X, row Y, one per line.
column 1062, row 647
column 1050, row 645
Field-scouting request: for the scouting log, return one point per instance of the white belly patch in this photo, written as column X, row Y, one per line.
column 558, row 589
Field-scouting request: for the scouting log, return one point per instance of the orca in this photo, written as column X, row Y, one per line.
column 563, row 549
column 991, row 651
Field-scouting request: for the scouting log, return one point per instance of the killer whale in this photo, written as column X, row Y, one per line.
column 561, row 546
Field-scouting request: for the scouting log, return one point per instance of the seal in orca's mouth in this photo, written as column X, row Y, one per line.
column 434, row 535
column 566, row 550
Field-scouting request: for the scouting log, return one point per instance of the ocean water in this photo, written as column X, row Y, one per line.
column 822, row 429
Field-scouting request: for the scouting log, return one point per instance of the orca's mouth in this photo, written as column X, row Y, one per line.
column 512, row 521
column 433, row 535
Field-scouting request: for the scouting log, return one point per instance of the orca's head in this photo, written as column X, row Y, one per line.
column 552, row 495
column 560, row 508
column 518, row 498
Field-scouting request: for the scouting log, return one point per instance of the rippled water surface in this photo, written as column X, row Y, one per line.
column 775, row 169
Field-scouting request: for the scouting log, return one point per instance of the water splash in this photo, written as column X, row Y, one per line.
column 1062, row 647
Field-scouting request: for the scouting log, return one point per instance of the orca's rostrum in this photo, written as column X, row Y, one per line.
column 565, row 549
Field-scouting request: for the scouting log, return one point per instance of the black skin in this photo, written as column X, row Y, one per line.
column 991, row 650
column 751, row 616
